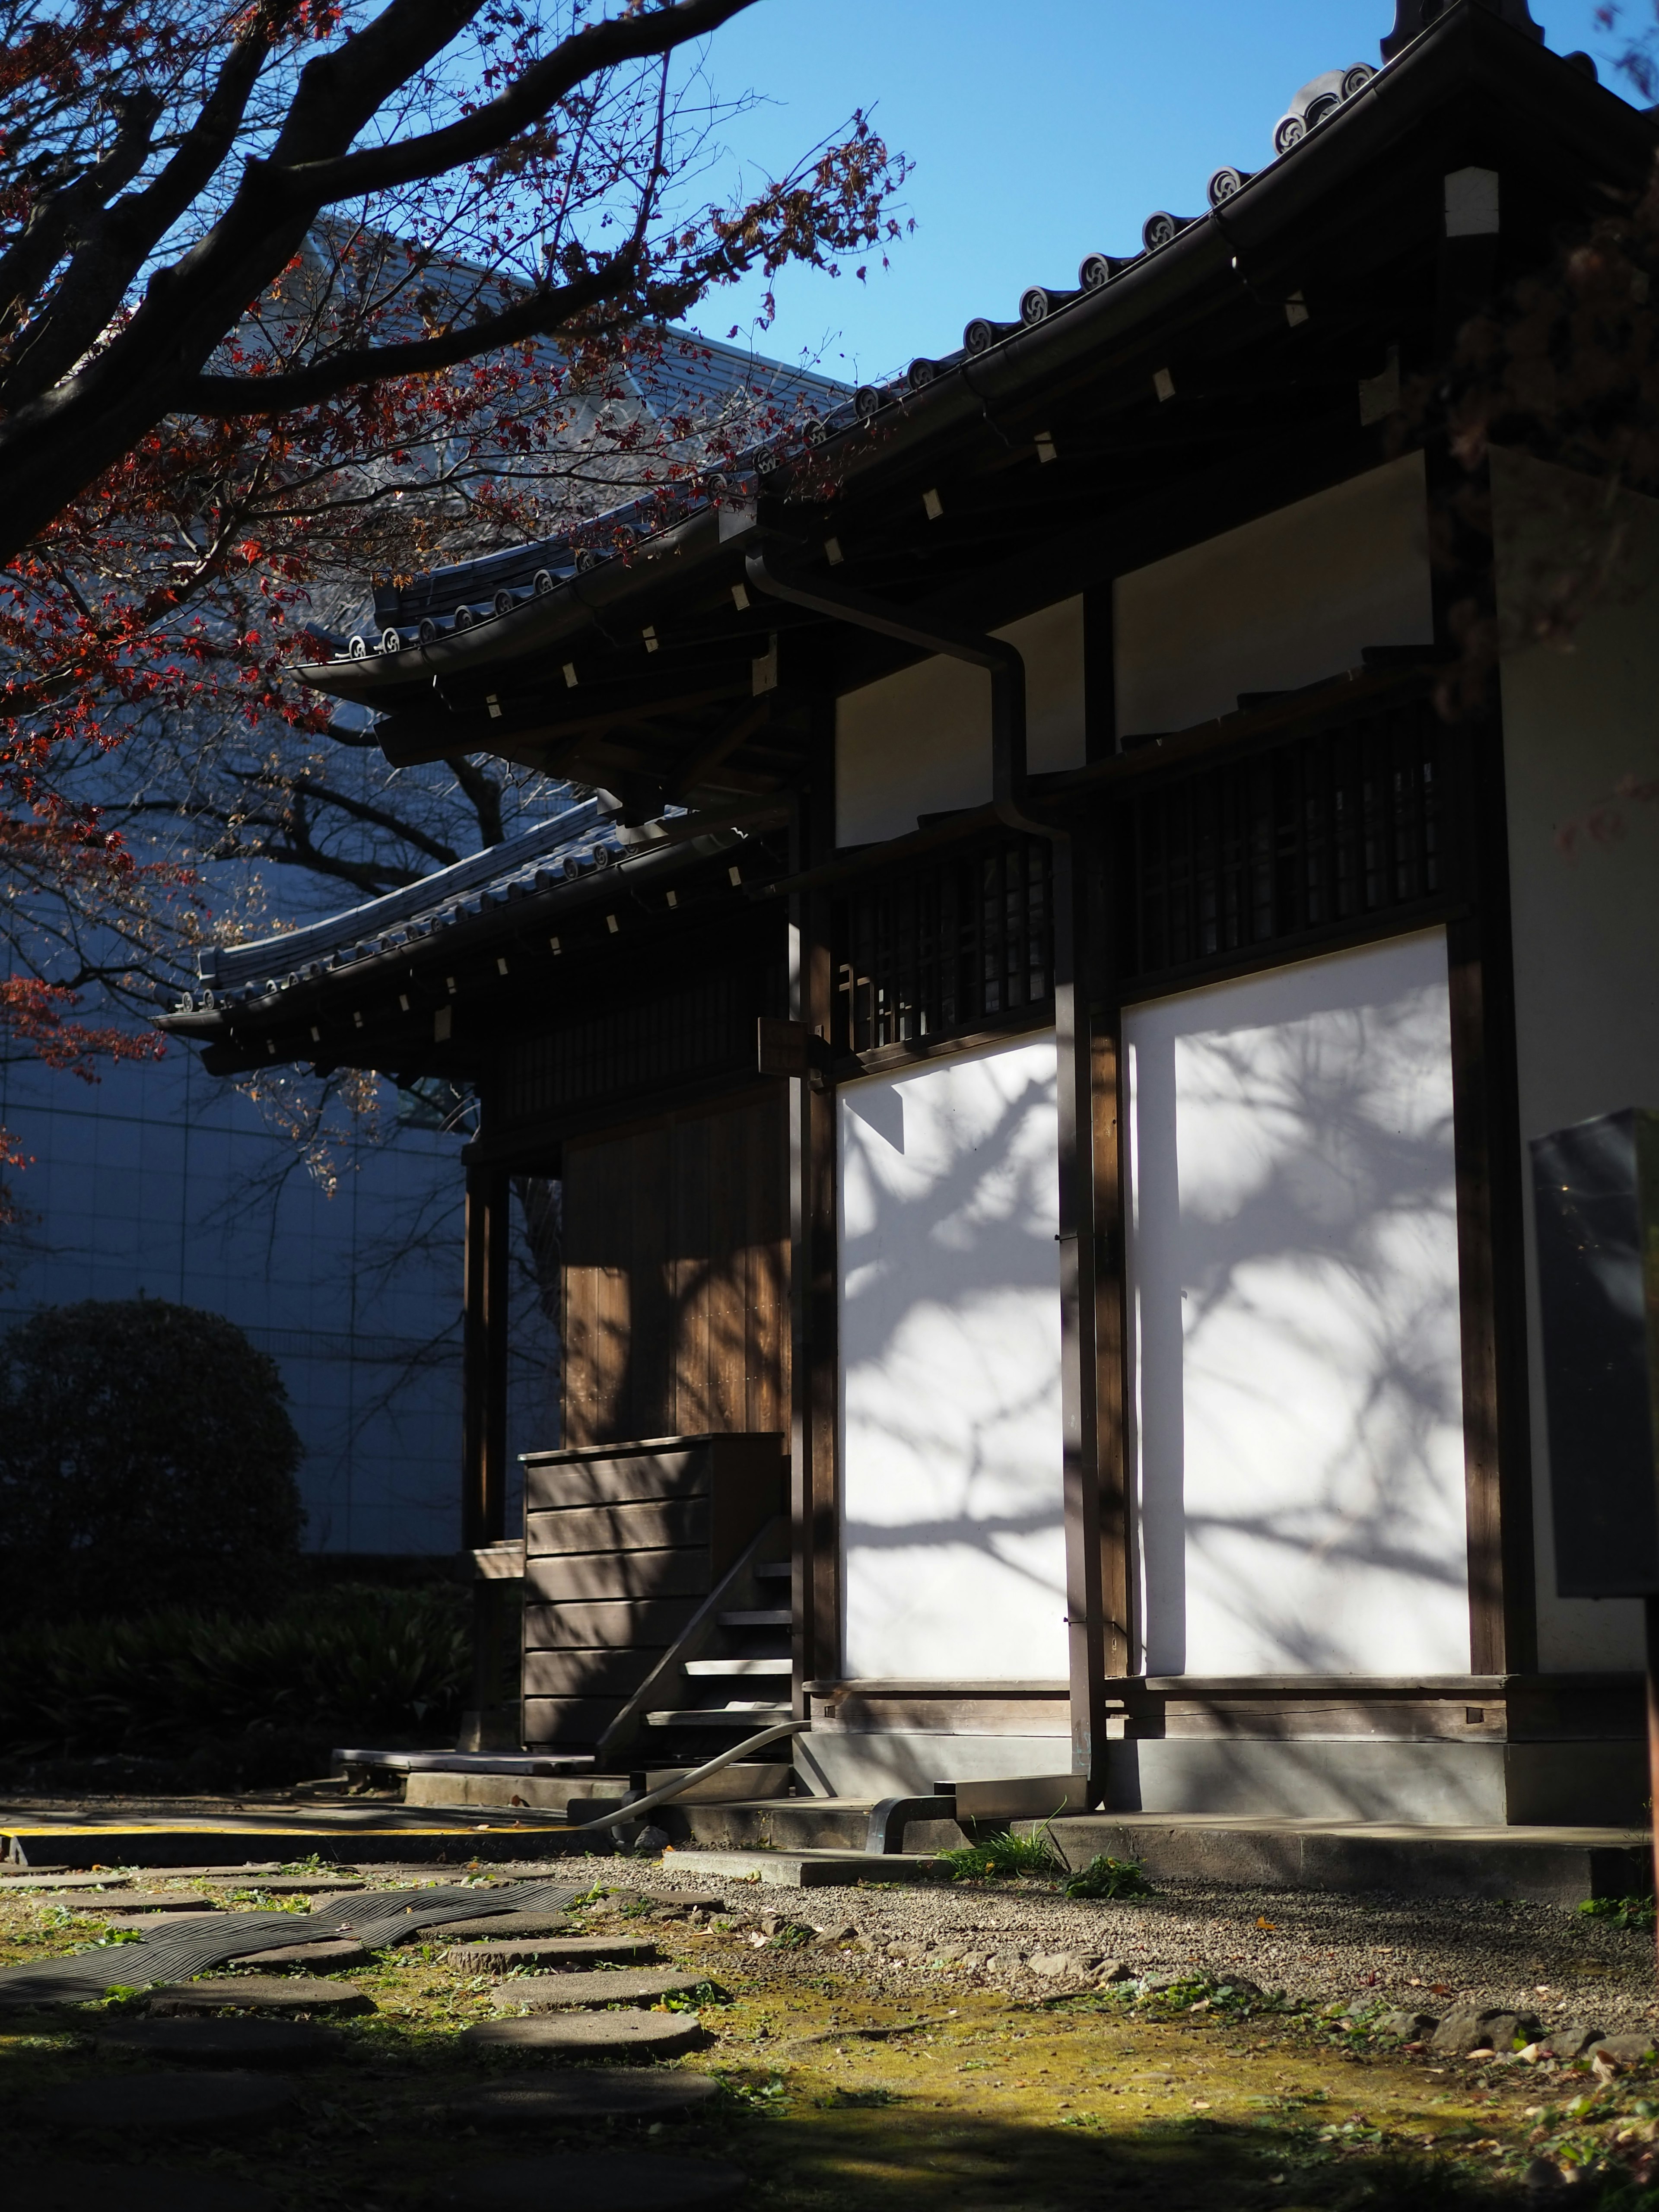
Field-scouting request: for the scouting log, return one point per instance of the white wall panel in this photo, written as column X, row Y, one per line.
column 1577, row 725
column 1278, row 602
column 949, row 1346
column 919, row 742
column 1299, row 1406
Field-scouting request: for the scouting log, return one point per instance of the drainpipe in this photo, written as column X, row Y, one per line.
column 1012, row 798
column 1003, row 663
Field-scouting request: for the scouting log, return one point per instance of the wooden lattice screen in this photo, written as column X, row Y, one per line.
column 1334, row 827
column 943, row 948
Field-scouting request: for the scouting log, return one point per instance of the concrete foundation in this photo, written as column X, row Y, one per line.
column 887, row 1763
column 1576, row 1782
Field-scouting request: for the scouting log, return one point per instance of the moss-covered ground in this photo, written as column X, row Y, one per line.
column 941, row 2100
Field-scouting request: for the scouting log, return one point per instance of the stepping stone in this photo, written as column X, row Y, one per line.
column 546, row 1992
column 60, row 1878
column 686, row 1897
column 299, row 1885
column 497, row 1926
column 258, row 1993
column 61, row 2187
column 169, row 2103
column 594, row 2093
column 328, row 1956
column 590, row 2034
column 593, row 2182
column 239, row 2041
column 172, row 1921
column 549, row 1950
column 133, row 1900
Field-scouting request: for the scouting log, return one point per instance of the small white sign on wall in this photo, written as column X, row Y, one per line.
column 955, row 1565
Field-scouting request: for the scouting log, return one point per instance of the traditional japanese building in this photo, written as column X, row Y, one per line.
column 1036, row 1029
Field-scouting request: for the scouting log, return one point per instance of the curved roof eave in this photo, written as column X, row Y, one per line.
column 1157, row 293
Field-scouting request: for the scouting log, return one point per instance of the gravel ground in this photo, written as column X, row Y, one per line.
column 1434, row 1953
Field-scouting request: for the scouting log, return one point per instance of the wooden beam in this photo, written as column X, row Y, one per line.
column 483, row 1356
column 1113, row 1382
column 815, row 1302
column 1486, row 1145
column 702, row 763
column 1080, row 1474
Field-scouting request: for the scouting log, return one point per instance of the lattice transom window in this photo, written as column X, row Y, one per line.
column 944, row 947
column 1331, row 829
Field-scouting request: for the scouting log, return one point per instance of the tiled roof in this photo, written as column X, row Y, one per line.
column 473, row 592
column 681, row 377
column 579, row 841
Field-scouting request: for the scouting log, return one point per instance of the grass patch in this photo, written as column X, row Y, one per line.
column 1004, row 1858
column 1622, row 1912
column 1110, row 1878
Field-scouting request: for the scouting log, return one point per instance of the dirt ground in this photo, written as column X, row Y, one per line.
column 851, row 2078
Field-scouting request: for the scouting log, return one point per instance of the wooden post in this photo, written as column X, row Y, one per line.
column 1078, row 1358
column 1486, row 1123
column 487, row 1726
column 814, row 1284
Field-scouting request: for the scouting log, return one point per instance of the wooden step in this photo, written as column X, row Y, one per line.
column 774, row 1570
column 777, row 1617
column 721, row 1716
column 697, row 1668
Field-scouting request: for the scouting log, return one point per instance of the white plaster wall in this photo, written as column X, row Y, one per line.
column 1586, row 927
column 1297, row 1405
column 919, row 742
column 1280, row 602
column 949, row 1346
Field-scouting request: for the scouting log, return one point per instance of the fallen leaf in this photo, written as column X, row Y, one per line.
column 1272, row 1926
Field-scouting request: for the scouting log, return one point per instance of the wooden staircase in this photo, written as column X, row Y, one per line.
column 656, row 1614
column 735, row 1677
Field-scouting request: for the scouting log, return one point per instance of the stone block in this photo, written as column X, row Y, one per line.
column 1462, row 2032
column 550, row 1992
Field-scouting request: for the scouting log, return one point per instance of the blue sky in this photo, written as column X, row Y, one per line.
column 1042, row 130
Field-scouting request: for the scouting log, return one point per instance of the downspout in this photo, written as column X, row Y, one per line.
column 1012, row 798
column 1003, row 663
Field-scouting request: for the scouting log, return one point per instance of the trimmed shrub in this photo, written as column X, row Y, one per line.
column 146, row 1458
column 271, row 1695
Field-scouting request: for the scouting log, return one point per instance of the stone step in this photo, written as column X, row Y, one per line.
column 484, row 1957
column 808, row 1869
column 745, row 1779
column 1541, row 1865
column 642, row 2035
column 733, row 1716
column 713, row 1669
column 597, row 1986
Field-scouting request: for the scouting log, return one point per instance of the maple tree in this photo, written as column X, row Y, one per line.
column 290, row 293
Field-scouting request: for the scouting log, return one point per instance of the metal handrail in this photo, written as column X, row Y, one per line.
column 655, row 1797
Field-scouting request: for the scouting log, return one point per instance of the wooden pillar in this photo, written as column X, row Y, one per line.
column 1112, row 1378
column 483, row 1357
column 1079, row 1367
column 1491, row 1235
column 815, row 1305
column 1486, row 1111
column 489, row 1726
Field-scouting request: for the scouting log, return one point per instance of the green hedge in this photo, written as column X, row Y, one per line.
column 349, row 1662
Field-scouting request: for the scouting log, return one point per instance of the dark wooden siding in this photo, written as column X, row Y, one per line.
column 677, row 1277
